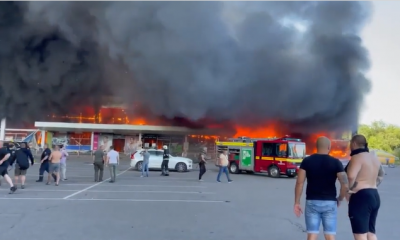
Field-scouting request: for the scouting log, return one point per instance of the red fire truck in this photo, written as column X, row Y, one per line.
column 275, row 156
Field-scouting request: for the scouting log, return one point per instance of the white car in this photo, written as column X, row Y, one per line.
column 180, row 164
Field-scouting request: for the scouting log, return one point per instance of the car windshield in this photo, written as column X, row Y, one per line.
column 297, row 150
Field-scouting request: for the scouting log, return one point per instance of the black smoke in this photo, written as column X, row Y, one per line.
column 301, row 63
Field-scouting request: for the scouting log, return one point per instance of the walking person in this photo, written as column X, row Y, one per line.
column 44, row 163
column 321, row 172
column 365, row 173
column 63, row 163
column 145, row 163
column 112, row 162
column 54, row 167
column 4, row 163
column 223, row 166
column 9, row 147
column 98, row 164
column 202, row 163
column 21, row 158
column 165, row 162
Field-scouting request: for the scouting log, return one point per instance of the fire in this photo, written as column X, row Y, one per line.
column 115, row 115
column 257, row 132
column 339, row 149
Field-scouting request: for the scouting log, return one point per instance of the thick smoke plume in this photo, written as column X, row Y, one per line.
column 301, row 63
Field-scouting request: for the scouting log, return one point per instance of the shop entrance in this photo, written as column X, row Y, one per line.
column 119, row 145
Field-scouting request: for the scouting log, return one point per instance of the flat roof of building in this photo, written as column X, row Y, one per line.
column 118, row 128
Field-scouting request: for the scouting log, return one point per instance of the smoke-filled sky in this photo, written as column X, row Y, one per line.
column 302, row 63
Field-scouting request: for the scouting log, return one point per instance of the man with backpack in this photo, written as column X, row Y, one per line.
column 21, row 157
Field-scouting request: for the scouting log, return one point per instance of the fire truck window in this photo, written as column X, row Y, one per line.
column 281, row 149
column 268, row 149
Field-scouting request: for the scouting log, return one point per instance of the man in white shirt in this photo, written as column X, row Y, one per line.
column 223, row 165
column 112, row 162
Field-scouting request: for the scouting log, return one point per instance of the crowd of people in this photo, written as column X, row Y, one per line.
column 359, row 181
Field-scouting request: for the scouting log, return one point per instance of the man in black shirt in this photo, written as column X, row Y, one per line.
column 44, row 163
column 321, row 172
column 4, row 156
column 21, row 157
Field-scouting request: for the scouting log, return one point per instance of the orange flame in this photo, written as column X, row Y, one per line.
column 257, row 132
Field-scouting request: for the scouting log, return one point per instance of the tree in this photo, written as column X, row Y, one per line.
column 382, row 136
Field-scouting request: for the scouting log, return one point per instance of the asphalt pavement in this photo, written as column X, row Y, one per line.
column 177, row 207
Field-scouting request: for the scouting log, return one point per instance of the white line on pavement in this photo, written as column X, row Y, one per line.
column 120, row 200
column 94, row 185
column 148, row 200
column 111, row 191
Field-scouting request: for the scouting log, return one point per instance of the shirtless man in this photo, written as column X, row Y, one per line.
column 365, row 173
column 55, row 159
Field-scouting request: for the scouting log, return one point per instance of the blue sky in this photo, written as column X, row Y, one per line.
column 382, row 39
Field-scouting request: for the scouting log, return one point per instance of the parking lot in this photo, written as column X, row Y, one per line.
column 175, row 207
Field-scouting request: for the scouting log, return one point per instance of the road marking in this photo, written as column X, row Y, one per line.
column 177, row 192
column 94, row 185
column 111, row 191
column 148, row 200
column 39, row 190
column 118, row 200
column 30, row 198
column 162, row 186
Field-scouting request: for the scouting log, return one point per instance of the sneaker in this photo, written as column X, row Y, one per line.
column 12, row 190
column 230, row 181
column 65, row 179
column 22, row 186
column 47, row 183
column 200, row 180
column 141, row 175
column 218, row 181
column 56, row 184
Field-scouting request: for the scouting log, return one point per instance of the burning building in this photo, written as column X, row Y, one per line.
column 240, row 65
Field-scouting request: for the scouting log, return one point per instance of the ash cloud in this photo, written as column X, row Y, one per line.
column 301, row 63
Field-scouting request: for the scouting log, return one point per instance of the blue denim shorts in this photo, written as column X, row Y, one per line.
column 318, row 211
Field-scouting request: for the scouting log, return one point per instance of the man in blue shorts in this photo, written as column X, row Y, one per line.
column 321, row 172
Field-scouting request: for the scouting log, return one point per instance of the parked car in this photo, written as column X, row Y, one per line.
column 180, row 164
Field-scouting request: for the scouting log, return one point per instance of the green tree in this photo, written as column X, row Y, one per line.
column 383, row 136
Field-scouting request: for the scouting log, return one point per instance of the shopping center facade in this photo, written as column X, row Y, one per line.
column 84, row 134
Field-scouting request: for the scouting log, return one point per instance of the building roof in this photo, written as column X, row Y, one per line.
column 118, row 128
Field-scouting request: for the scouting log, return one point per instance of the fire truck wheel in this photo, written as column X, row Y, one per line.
column 233, row 168
column 273, row 171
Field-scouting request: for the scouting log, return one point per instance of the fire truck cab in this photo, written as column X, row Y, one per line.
column 275, row 156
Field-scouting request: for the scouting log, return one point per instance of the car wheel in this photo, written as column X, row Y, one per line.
column 181, row 167
column 233, row 168
column 139, row 166
column 273, row 171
